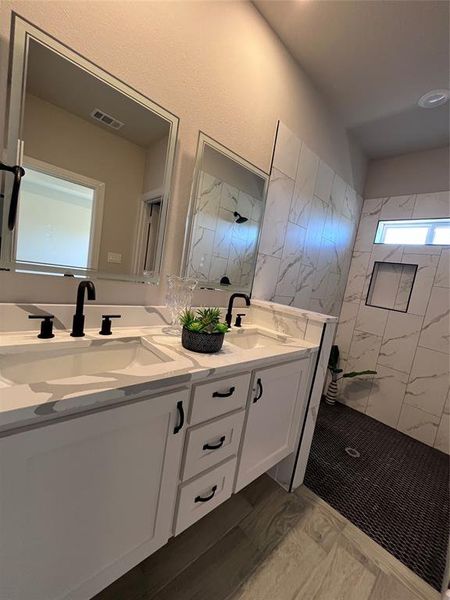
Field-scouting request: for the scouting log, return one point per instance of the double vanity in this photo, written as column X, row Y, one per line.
column 110, row 446
column 113, row 437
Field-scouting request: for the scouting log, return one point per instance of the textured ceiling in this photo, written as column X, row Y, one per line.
column 63, row 83
column 373, row 60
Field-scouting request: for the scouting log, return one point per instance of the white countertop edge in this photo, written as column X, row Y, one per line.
column 29, row 404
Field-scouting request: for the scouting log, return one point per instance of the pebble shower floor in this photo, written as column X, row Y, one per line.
column 396, row 491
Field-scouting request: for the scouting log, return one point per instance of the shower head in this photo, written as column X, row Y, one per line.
column 239, row 218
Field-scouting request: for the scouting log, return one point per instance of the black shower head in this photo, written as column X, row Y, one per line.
column 239, row 218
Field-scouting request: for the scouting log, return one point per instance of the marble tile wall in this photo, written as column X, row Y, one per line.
column 409, row 351
column 220, row 246
column 308, row 232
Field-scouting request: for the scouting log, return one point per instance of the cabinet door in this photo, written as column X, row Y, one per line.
column 276, row 406
column 84, row 500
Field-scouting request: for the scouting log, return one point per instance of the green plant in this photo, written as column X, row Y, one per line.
column 204, row 320
column 337, row 373
column 222, row 327
column 209, row 318
column 187, row 317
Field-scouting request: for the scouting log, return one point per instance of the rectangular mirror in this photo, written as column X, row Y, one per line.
column 227, row 208
column 98, row 159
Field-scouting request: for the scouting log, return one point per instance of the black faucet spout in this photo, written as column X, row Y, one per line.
column 90, row 288
column 229, row 314
column 78, row 318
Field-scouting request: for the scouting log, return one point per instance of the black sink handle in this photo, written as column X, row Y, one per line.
column 106, row 324
column 46, row 326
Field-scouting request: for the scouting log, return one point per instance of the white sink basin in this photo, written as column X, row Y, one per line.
column 72, row 359
column 251, row 339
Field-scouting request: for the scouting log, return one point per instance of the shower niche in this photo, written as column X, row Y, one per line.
column 391, row 285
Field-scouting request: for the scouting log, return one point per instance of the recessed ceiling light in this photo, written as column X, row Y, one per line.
column 434, row 98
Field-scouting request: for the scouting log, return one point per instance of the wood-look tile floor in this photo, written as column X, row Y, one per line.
column 266, row 544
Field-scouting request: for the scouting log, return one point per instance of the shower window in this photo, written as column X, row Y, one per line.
column 414, row 231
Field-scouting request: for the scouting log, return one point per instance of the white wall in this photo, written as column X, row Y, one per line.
column 413, row 173
column 217, row 65
column 155, row 164
column 233, row 173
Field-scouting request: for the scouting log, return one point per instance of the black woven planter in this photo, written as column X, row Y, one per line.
column 206, row 343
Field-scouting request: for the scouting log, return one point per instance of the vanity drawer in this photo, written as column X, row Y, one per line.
column 200, row 496
column 219, row 397
column 207, row 445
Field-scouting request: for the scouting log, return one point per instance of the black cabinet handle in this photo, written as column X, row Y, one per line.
column 259, row 387
column 18, row 173
column 180, row 410
column 216, row 446
column 225, row 394
column 208, row 498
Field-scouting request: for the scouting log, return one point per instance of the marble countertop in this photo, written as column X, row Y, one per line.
column 23, row 404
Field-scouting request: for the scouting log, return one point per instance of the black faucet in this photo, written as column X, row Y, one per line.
column 78, row 317
column 229, row 314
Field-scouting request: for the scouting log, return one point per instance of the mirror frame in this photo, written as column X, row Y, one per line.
column 203, row 140
column 22, row 32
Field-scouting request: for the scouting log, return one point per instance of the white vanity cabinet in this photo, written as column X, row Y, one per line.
column 212, row 445
column 86, row 499
column 276, row 406
column 240, row 445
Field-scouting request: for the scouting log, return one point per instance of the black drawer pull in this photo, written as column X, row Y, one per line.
column 225, row 394
column 259, row 387
column 180, row 410
column 208, row 498
column 216, row 446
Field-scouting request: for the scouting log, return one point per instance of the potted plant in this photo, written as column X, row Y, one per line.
column 337, row 374
column 202, row 330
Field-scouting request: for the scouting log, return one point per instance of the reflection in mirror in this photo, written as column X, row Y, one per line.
column 98, row 159
column 227, row 207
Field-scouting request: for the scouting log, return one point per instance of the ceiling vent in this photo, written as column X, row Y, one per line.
column 106, row 119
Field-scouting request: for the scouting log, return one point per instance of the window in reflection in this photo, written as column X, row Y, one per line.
column 58, row 220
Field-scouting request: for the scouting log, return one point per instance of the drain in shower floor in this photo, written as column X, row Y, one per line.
column 352, row 452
